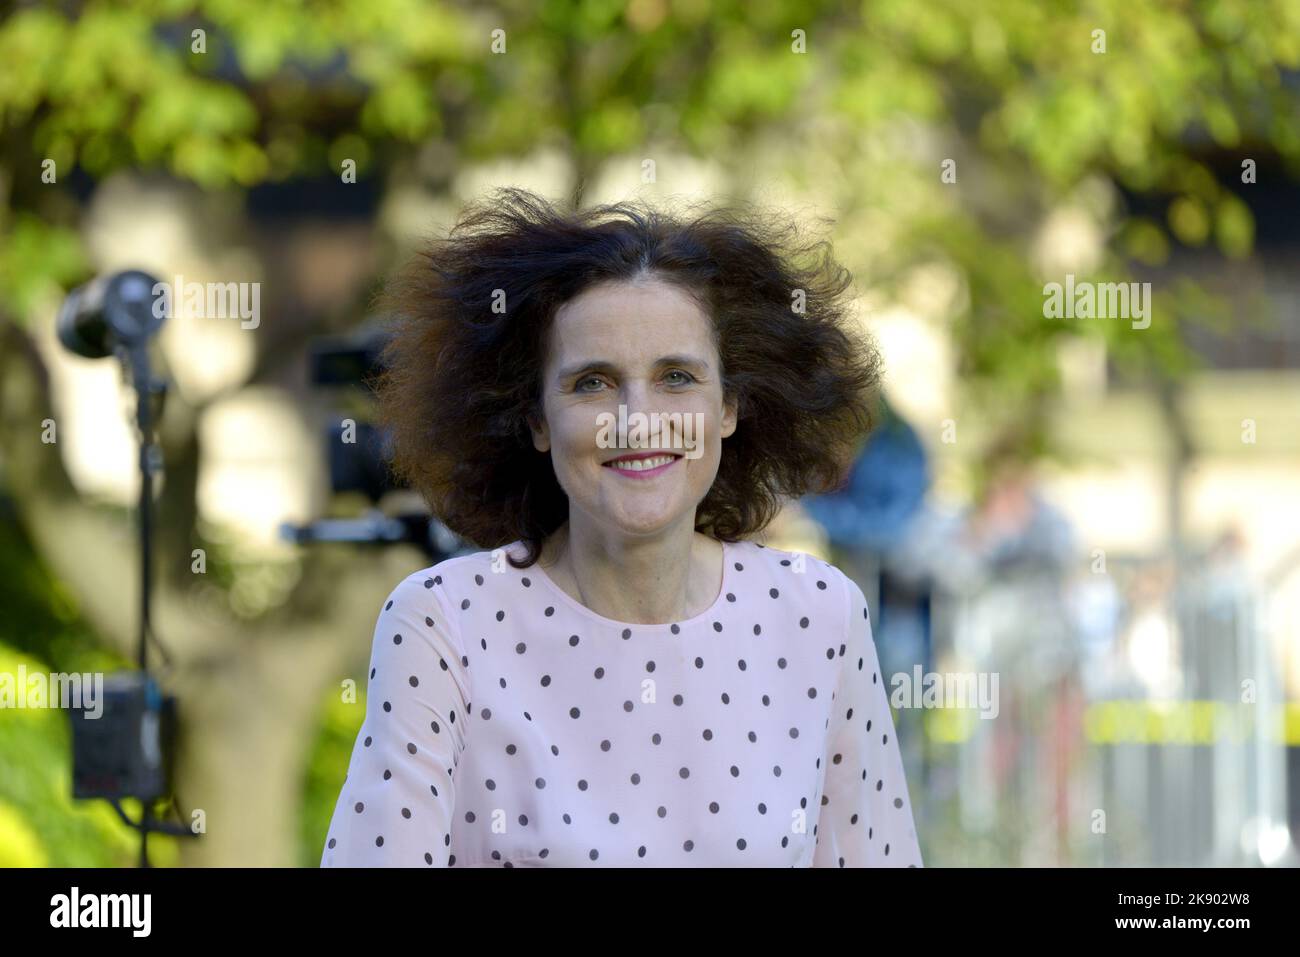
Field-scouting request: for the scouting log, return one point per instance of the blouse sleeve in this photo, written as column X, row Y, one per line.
column 397, row 799
column 866, row 816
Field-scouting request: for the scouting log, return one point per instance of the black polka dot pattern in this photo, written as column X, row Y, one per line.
column 508, row 725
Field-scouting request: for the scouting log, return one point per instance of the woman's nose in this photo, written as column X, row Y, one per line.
column 637, row 397
column 647, row 418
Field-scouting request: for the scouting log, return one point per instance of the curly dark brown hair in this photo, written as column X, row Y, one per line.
column 461, row 380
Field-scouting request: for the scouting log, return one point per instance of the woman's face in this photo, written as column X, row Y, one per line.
column 645, row 346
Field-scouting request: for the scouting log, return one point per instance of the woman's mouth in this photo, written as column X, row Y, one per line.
column 642, row 464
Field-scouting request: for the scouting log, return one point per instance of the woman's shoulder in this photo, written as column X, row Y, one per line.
column 437, row 593
column 800, row 576
column 480, row 568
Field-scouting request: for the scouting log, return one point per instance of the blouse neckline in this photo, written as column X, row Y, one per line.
column 581, row 609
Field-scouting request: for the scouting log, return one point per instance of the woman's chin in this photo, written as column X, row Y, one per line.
column 638, row 523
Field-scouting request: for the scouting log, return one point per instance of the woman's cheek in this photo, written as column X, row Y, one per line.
column 577, row 446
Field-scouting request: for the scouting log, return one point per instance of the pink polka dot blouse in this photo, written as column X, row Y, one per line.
column 508, row 725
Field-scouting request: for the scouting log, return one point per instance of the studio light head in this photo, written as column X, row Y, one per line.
column 111, row 311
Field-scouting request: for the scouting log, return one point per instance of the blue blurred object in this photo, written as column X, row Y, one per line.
column 885, row 488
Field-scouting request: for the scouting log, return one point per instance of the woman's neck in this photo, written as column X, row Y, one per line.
column 671, row 577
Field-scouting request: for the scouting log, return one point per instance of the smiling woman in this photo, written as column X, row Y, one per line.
column 614, row 400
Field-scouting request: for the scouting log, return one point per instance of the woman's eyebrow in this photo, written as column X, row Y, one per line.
column 586, row 365
column 604, row 365
column 683, row 360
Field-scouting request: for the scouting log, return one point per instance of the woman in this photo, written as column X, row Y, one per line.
column 610, row 402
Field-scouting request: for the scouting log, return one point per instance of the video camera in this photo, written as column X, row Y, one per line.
column 359, row 456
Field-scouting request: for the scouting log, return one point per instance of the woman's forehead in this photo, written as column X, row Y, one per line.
column 631, row 323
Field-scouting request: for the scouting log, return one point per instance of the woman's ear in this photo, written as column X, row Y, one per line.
column 730, row 411
column 541, row 434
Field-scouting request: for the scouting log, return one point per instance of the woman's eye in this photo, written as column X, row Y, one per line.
column 589, row 384
column 685, row 377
